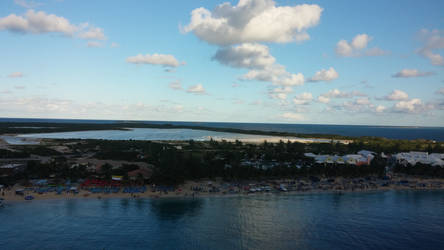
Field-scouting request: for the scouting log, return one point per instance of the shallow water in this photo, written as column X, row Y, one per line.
column 380, row 220
column 393, row 132
column 152, row 134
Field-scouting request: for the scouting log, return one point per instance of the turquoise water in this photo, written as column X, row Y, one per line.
column 380, row 220
column 393, row 132
column 152, row 134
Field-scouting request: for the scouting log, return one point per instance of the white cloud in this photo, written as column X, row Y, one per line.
column 356, row 47
column 277, row 74
column 253, row 21
column 27, row 4
column 303, row 99
column 155, row 59
column 196, row 89
column 292, row 116
column 39, row 22
column 176, row 85
column 93, row 33
column 325, row 75
column 15, row 75
column 440, row 91
column 94, row 44
column 411, row 106
column 411, row 73
column 323, row 99
column 280, row 92
column 114, row 45
column 343, row 48
column 433, row 40
column 336, row 93
column 262, row 64
column 380, row 108
column 247, row 55
column 397, row 95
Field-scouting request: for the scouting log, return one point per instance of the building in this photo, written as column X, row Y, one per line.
column 414, row 157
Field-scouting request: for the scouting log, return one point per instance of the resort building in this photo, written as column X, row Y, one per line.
column 413, row 157
column 363, row 157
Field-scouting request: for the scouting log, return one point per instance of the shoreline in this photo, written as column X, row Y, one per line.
column 33, row 139
column 11, row 197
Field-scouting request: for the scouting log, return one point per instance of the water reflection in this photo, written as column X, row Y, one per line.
column 175, row 209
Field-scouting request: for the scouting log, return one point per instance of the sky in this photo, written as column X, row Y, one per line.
column 304, row 62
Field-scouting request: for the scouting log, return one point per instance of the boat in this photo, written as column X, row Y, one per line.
column 29, row 198
column 282, row 188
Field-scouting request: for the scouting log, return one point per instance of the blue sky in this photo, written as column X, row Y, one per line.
column 323, row 62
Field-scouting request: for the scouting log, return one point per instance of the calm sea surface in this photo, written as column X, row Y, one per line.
column 380, row 220
column 430, row 133
column 145, row 134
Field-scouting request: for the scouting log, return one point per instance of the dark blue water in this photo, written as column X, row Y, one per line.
column 392, row 132
column 380, row 220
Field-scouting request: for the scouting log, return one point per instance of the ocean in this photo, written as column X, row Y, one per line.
column 392, row 132
column 373, row 220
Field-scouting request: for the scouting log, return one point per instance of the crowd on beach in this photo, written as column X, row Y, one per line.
column 212, row 188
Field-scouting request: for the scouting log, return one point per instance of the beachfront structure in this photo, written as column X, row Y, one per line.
column 363, row 157
column 413, row 157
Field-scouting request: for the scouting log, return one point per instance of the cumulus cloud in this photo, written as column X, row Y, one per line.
column 336, row 93
column 406, row 73
column 396, row 95
column 196, row 89
column 325, row 75
column 380, row 108
column 39, row 22
column 93, row 33
column 323, row 99
column 361, row 104
column 253, row 21
column 433, row 41
column 292, row 116
column 280, row 92
column 357, row 47
column 261, row 64
column 176, row 85
column 247, row 55
column 276, row 74
column 15, row 75
column 414, row 105
column 114, row 45
column 155, row 59
column 303, row 99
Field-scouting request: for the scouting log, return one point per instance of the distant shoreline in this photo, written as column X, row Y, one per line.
column 27, row 126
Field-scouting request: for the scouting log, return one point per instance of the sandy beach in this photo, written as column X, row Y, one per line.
column 184, row 191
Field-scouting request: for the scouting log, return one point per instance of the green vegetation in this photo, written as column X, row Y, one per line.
column 175, row 162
